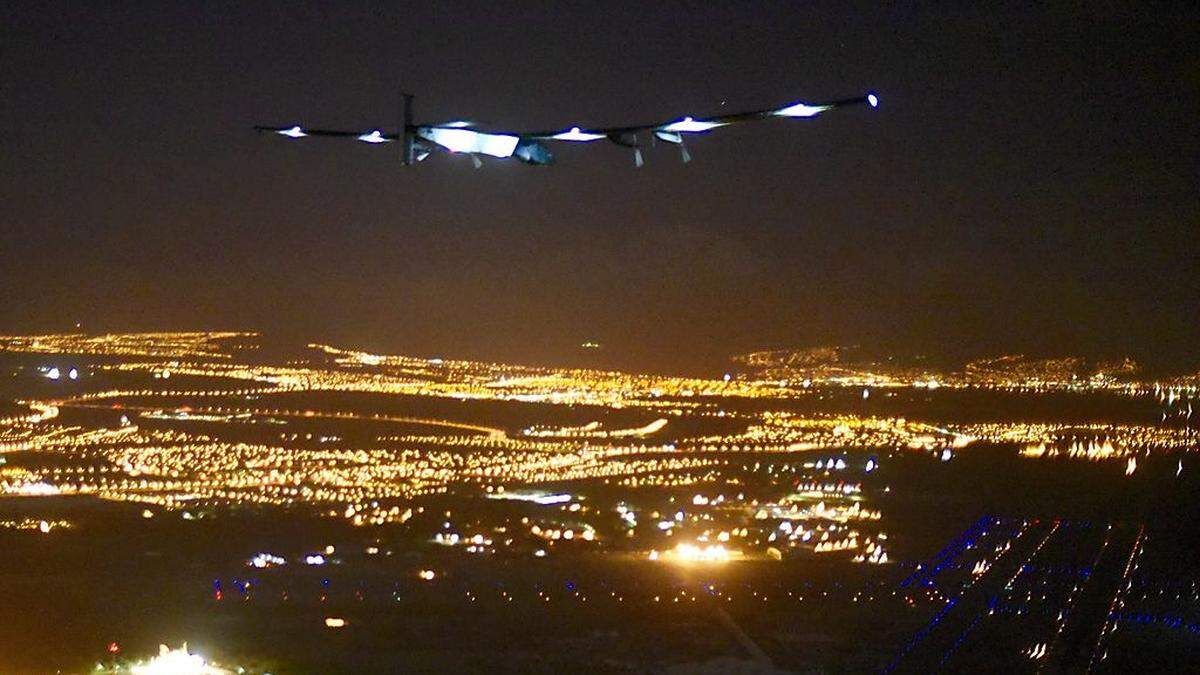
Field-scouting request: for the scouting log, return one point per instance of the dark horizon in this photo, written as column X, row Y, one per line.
column 1028, row 184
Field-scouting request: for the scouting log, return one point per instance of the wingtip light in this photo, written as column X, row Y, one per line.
column 873, row 100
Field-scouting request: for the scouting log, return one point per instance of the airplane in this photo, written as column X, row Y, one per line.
column 418, row 141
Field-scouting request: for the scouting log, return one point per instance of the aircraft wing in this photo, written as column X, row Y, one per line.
column 528, row 146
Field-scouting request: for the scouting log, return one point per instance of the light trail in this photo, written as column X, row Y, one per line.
column 1076, row 591
column 1111, row 618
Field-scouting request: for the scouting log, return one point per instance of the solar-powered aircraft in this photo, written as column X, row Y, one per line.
column 418, row 141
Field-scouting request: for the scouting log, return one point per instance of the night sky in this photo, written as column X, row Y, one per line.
column 1029, row 182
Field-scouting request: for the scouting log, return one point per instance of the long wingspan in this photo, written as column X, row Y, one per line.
column 528, row 147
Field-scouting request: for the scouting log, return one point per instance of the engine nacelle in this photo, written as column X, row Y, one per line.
column 533, row 152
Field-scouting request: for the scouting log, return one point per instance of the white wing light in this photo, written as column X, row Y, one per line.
column 294, row 132
column 373, row 137
column 577, row 134
column 465, row 140
column 873, row 100
column 690, row 126
column 802, row 110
